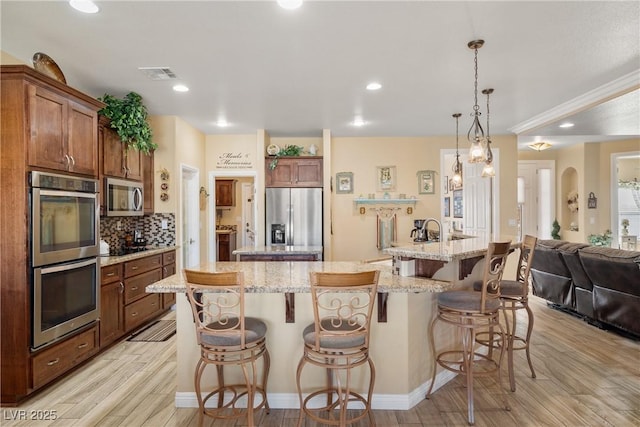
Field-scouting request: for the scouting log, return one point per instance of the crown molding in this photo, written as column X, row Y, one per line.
column 606, row 92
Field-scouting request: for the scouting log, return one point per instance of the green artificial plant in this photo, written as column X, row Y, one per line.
column 129, row 119
column 603, row 239
column 289, row 150
column 555, row 230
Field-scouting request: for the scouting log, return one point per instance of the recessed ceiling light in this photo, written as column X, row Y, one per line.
column 374, row 86
column 290, row 4
column 358, row 122
column 566, row 125
column 85, row 6
column 181, row 88
column 222, row 123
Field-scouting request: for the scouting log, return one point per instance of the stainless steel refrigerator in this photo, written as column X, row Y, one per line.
column 294, row 216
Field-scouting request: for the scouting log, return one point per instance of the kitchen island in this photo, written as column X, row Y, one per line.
column 398, row 346
column 457, row 260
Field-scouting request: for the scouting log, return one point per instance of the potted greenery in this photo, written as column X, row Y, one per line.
column 289, row 150
column 129, row 119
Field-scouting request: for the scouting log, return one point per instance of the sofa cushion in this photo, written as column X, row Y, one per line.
column 612, row 268
column 550, row 276
column 571, row 258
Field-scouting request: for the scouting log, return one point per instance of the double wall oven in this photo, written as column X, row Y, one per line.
column 64, row 246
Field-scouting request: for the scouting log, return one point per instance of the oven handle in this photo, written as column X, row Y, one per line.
column 137, row 199
column 68, row 266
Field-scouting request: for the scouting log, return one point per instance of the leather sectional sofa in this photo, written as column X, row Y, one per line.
column 599, row 283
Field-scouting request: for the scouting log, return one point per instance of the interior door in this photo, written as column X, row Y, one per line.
column 476, row 199
column 190, row 217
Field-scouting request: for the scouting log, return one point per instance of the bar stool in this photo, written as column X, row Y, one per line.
column 473, row 311
column 227, row 338
column 514, row 296
column 338, row 340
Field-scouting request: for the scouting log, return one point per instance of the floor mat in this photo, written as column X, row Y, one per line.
column 160, row 330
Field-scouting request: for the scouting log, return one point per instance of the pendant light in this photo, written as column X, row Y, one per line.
column 476, row 133
column 488, row 170
column 457, row 166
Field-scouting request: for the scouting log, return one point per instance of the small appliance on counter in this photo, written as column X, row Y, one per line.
column 104, row 248
column 419, row 233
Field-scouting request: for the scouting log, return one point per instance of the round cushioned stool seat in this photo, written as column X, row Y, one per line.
column 255, row 329
column 309, row 336
column 508, row 288
column 465, row 301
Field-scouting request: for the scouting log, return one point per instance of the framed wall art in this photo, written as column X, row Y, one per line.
column 426, row 182
column 386, row 178
column 344, row 182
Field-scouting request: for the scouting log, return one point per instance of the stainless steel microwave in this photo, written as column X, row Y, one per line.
column 124, row 198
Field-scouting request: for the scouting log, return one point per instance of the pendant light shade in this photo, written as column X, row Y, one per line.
column 488, row 170
column 476, row 133
column 457, row 166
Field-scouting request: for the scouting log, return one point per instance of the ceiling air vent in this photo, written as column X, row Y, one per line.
column 158, row 73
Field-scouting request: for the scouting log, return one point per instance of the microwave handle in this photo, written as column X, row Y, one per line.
column 137, row 199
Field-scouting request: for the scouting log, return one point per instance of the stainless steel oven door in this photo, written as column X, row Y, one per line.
column 65, row 226
column 65, row 297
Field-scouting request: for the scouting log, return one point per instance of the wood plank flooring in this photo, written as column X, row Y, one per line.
column 585, row 377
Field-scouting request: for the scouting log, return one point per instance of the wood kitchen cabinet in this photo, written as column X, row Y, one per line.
column 62, row 133
column 59, row 358
column 168, row 269
column 225, row 192
column 147, row 183
column 226, row 244
column 294, row 172
column 117, row 160
column 48, row 126
column 111, row 304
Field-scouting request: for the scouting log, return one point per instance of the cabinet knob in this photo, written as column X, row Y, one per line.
column 53, row 362
column 83, row 345
column 134, row 288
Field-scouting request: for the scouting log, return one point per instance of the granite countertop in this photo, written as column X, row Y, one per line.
column 278, row 250
column 449, row 250
column 151, row 250
column 282, row 277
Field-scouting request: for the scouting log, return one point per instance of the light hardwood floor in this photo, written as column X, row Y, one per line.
column 585, row 377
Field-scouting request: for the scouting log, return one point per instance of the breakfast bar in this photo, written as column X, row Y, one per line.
column 399, row 340
column 399, row 346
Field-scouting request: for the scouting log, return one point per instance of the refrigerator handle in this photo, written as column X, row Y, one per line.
column 290, row 238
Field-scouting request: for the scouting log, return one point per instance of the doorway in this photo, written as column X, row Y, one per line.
column 625, row 196
column 243, row 215
column 190, row 241
column 536, row 198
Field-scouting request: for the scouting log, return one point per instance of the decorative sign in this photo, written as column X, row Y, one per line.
column 233, row 161
column 592, row 202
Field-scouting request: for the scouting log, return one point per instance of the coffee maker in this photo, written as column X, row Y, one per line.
column 418, row 233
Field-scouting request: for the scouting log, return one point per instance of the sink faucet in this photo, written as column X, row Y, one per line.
column 426, row 230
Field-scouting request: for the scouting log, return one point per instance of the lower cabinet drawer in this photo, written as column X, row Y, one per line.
column 53, row 361
column 168, row 300
column 136, row 313
column 134, row 287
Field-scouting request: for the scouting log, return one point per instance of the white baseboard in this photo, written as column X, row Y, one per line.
column 401, row 402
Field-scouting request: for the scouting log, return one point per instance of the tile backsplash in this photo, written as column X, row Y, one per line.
column 150, row 225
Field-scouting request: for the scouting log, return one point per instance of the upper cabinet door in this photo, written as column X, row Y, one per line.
column 112, row 153
column 62, row 133
column 83, row 139
column 47, row 129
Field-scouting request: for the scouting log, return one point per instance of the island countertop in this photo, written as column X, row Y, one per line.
column 293, row 277
column 449, row 250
